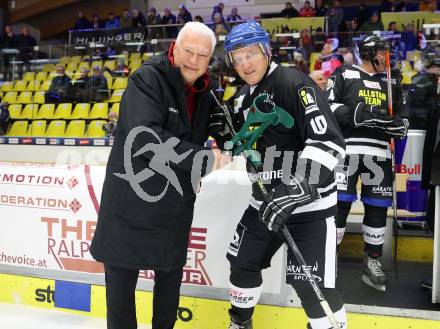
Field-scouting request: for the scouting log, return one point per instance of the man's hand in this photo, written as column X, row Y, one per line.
column 283, row 200
column 221, row 159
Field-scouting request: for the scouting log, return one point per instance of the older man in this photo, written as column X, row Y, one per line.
column 148, row 195
column 319, row 78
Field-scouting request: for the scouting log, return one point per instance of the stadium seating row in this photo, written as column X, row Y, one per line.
column 61, row 111
column 28, row 97
column 57, row 128
column 44, row 85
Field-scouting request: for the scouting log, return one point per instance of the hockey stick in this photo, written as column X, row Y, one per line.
column 287, row 236
column 393, row 161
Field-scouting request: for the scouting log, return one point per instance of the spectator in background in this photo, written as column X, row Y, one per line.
column 4, row 117
column 329, row 59
column 385, row 6
column 219, row 26
column 318, row 39
column 169, row 18
column 305, row 42
column 319, row 78
column 121, row 70
column 320, row 9
column 82, row 23
column 184, row 15
column 408, row 40
column 428, row 5
column 373, row 24
column 59, row 87
column 300, row 62
column 392, row 27
column 335, row 17
column 7, row 40
column 153, row 18
column 307, row 10
column 362, row 15
column 79, row 91
column 138, row 20
column 110, row 126
column 198, row 18
column 96, row 22
column 217, row 9
column 112, row 21
column 289, row 11
column 98, row 85
column 233, row 16
column 26, row 43
column 126, row 20
column 406, row 5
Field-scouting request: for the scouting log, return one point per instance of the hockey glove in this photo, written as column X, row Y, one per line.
column 397, row 128
column 218, row 128
column 371, row 116
column 283, row 200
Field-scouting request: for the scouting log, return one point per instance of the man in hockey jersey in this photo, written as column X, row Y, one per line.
column 299, row 158
column 358, row 98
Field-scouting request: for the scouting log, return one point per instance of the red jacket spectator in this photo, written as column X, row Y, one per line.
column 307, row 10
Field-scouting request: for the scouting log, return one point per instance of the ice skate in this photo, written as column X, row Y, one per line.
column 373, row 275
column 236, row 323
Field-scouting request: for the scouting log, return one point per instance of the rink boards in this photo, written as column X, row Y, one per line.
column 194, row 313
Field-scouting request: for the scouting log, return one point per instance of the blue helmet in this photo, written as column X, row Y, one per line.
column 247, row 34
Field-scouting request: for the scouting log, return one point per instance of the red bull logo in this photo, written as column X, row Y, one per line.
column 404, row 169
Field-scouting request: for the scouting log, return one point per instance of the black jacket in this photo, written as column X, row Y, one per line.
column 132, row 232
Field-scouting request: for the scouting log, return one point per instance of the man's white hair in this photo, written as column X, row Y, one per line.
column 199, row 29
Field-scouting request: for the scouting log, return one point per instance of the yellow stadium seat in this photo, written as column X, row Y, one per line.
column 41, row 76
column 29, row 112
column 37, row 128
column 136, row 63
column 39, row 97
column 407, row 76
column 85, row 58
column 29, row 76
column 75, row 129
column 15, row 111
column 45, row 85
column 111, row 64
column 81, row 111
column 25, row 97
column 84, row 64
column 18, row 128
column 95, row 129
column 65, row 59
column 99, row 111
column 7, row 86
column 10, row 97
column 46, row 111
column 33, row 85
column 134, row 57
column 134, row 68
column 97, row 63
column 72, row 66
column 63, row 111
column 76, row 59
column 109, row 81
column 48, row 67
column 56, row 128
column 116, row 96
column 115, row 108
column 119, row 83
column 20, row 85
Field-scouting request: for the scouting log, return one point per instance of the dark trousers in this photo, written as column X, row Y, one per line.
column 120, row 294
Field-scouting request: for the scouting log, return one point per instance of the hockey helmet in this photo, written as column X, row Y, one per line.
column 371, row 44
column 244, row 35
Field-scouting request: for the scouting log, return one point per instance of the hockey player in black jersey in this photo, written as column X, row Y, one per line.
column 302, row 157
column 358, row 99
